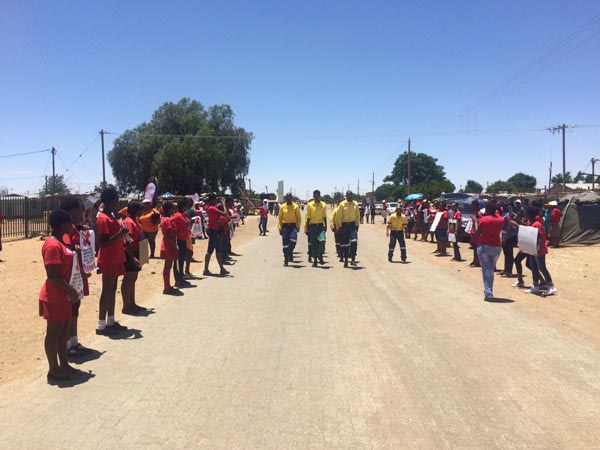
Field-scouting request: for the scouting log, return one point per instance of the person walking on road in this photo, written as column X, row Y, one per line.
column 214, row 235
column 336, row 234
column 489, row 246
column 395, row 228
column 457, row 217
column 262, row 221
column 315, row 225
column 348, row 220
column 289, row 220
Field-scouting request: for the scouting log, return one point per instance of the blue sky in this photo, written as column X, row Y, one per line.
column 331, row 90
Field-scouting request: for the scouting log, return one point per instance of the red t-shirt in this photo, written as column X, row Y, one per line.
column 432, row 212
column 555, row 215
column 457, row 216
column 56, row 253
column 443, row 223
column 490, row 228
column 168, row 228
column 224, row 222
column 114, row 253
column 543, row 247
column 213, row 217
column 181, row 224
column 134, row 231
column 262, row 212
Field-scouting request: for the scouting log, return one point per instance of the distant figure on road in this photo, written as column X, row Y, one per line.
column 555, row 216
column 315, row 225
column 289, row 220
column 348, row 221
column 367, row 211
column 384, row 212
column 373, row 210
column 336, row 234
column 395, row 229
column 262, row 221
column 489, row 246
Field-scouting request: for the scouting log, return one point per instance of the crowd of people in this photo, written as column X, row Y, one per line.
column 119, row 234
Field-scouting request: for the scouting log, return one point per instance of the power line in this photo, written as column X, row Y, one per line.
column 25, row 153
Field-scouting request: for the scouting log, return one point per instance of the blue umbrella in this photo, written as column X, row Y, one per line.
column 414, row 197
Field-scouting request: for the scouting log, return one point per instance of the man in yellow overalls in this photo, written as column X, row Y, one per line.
column 315, row 224
column 289, row 220
column 347, row 220
column 396, row 226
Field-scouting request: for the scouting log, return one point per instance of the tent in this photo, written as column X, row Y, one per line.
column 580, row 224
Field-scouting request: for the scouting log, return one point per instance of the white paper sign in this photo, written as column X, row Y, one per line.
column 196, row 227
column 436, row 221
column 469, row 226
column 452, row 230
column 76, row 280
column 88, row 250
column 528, row 238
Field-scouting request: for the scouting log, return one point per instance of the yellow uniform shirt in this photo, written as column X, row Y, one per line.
column 397, row 222
column 289, row 214
column 347, row 212
column 316, row 213
column 332, row 221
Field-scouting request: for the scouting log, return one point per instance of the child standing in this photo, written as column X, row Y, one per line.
column 183, row 232
column 168, row 247
column 57, row 295
column 132, row 259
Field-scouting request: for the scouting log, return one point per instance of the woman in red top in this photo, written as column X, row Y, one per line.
column 489, row 246
column 538, row 262
column 168, row 247
column 73, row 206
column 555, row 216
column 441, row 232
column 132, row 259
column 111, row 261
column 214, row 237
column 57, row 295
column 182, row 233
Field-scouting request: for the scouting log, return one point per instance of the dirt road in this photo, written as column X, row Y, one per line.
column 383, row 356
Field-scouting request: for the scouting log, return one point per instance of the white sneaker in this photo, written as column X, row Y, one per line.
column 518, row 284
column 550, row 291
column 534, row 290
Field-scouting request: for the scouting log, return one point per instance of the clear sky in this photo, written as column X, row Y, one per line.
column 331, row 89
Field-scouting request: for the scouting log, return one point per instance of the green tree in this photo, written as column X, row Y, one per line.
column 188, row 148
column 3, row 190
column 558, row 178
column 424, row 168
column 473, row 187
column 103, row 186
column 500, row 186
column 338, row 197
column 522, row 182
column 434, row 189
column 327, row 198
column 55, row 185
column 391, row 192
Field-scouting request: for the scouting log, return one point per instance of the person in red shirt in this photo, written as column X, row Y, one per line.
column 538, row 261
column 457, row 216
column 489, row 246
column 57, row 295
column 555, row 216
column 168, row 247
column 111, row 261
column 441, row 232
column 73, row 206
column 132, row 259
column 431, row 212
column 214, row 236
column 181, row 226
column 262, row 221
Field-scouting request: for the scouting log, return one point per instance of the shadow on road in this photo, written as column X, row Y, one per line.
column 78, row 378
column 499, row 300
column 129, row 333
column 89, row 356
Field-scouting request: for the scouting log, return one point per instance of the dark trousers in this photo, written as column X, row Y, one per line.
column 509, row 258
column 539, row 271
column 151, row 235
column 397, row 236
column 456, row 251
column 519, row 262
column 349, row 240
column 262, row 226
column 289, row 236
column 338, row 240
column 178, row 264
column 316, row 247
column 225, row 244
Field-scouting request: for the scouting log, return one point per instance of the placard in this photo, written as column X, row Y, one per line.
column 452, row 230
column 76, row 280
column 469, row 226
column 528, row 239
column 144, row 252
column 88, row 250
column 436, row 221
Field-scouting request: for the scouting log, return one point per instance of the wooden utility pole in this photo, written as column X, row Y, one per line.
column 562, row 129
column 103, row 165
column 53, row 151
column 594, row 161
column 550, row 176
column 409, row 170
column 373, row 190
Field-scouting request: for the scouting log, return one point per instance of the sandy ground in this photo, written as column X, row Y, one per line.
column 22, row 275
column 379, row 356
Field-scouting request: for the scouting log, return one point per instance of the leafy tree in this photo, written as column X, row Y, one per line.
column 188, row 148
column 473, row 187
column 55, row 185
column 391, row 192
column 103, row 186
column 433, row 189
column 584, row 178
column 424, row 168
column 558, row 178
column 3, row 190
column 338, row 197
column 500, row 186
column 522, row 182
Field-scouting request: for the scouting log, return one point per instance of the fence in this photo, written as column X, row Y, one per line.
column 25, row 217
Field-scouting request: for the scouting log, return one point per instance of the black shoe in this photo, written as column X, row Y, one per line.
column 172, row 291
column 314, row 264
column 183, row 283
column 345, row 264
column 390, row 259
column 130, row 311
column 140, row 308
column 116, row 326
column 74, row 352
column 106, row 331
column 321, row 261
column 224, row 272
column 353, row 262
column 83, row 349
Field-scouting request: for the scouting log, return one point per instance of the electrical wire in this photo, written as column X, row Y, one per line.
column 25, row 153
